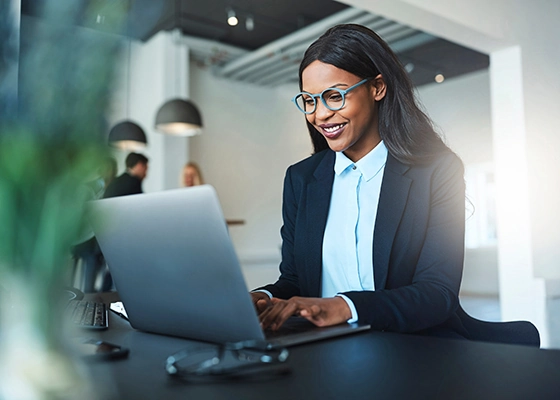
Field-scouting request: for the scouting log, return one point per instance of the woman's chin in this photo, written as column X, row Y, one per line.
column 336, row 145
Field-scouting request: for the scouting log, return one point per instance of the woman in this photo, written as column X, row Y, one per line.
column 192, row 175
column 374, row 220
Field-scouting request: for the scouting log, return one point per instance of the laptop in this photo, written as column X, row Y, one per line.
column 177, row 273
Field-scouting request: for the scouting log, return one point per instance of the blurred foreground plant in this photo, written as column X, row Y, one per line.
column 51, row 140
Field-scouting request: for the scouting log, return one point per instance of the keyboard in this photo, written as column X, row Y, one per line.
column 88, row 314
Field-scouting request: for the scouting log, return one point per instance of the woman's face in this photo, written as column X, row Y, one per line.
column 189, row 176
column 354, row 128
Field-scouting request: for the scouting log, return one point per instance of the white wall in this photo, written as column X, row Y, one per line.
column 460, row 109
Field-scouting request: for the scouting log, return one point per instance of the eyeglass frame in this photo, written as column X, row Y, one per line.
column 343, row 93
column 256, row 353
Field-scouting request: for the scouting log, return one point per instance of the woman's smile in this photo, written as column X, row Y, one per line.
column 332, row 131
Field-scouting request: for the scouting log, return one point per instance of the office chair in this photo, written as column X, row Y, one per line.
column 513, row 332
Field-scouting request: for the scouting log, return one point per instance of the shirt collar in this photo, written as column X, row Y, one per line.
column 369, row 165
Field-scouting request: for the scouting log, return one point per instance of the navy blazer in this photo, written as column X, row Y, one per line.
column 124, row 185
column 418, row 244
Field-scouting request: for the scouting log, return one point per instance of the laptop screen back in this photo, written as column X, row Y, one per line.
column 174, row 265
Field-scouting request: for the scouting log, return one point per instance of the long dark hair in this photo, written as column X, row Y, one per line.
column 407, row 132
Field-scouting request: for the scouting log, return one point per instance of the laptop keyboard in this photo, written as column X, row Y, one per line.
column 88, row 314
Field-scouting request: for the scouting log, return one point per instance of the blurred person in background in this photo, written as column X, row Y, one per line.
column 191, row 175
column 130, row 182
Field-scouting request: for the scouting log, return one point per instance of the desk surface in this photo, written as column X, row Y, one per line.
column 365, row 365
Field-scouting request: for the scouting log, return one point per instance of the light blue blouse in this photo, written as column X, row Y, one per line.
column 348, row 237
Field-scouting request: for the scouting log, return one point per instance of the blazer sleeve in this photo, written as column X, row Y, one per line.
column 288, row 284
column 425, row 294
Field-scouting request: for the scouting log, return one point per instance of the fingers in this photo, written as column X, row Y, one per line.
column 315, row 314
column 321, row 312
column 273, row 317
column 326, row 312
column 261, row 301
column 262, row 304
column 313, row 311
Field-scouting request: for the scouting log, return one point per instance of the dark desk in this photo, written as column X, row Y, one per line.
column 373, row 365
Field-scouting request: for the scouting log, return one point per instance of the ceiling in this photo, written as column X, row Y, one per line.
column 269, row 51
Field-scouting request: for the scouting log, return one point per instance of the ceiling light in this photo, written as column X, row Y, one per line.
column 409, row 67
column 439, row 78
column 179, row 117
column 127, row 135
column 232, row 19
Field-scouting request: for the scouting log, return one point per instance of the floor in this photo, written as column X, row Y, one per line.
column 488, row 309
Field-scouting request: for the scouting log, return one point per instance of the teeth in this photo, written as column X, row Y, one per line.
column 331, row 129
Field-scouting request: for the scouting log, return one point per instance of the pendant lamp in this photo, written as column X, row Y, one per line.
column 127, row 135
column 178, row 117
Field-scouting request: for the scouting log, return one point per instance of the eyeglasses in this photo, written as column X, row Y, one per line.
column 332, row 98
column 231, row 360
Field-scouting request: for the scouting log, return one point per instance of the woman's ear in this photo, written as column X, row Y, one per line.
column 378, row 87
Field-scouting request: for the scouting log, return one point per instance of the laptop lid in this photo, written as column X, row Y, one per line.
column 176, row 271
column 174, row 266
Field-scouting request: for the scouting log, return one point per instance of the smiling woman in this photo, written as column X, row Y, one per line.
column 374, row 220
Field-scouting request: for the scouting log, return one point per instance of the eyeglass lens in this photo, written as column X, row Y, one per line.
column 331, row 98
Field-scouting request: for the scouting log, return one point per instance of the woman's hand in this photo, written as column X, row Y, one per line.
column 321, row 312
column 261, row 301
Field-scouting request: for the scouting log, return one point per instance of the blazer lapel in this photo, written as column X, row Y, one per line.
column 392, row 200
column 318, row 202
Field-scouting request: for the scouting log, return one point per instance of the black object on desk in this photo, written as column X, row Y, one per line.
column 98, row 350
column 364, row 365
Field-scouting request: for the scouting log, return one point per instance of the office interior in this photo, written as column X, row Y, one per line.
column 501, row 120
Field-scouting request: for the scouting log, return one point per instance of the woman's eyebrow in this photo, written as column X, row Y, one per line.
column 331, row 86
column 339, row 84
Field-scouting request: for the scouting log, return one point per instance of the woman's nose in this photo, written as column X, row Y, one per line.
column 321, row 111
